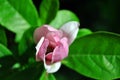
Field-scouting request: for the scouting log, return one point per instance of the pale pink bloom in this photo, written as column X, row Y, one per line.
column 52, row 44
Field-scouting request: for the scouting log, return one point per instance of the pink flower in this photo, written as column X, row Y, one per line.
column 52, row 44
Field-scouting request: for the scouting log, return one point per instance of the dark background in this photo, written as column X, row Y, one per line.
column 97, row 15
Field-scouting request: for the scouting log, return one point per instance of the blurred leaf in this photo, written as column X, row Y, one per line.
column 32, row 72
column 18, row 16
column 26, row 41
column 4, row 51
column 48, row 10
column 16, row 66
column 83, row 32
column 62, row 17
column 3, row 38
column 46, row 76
column 96, row 56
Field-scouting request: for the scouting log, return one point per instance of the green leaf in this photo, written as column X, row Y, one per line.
column 46, row 76
column 26, row 41
column 96, row 56
column 18, row 16
column 4, row 51
column 62, row 17
column 3, row 38
column 48, row 10
column 83, row 32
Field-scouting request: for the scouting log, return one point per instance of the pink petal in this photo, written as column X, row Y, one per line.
column 70, row 29
column 61, row 51
column 48, row 58
column 42, row 31
column 52, row 68
column 42, row 50
column 38, row 47
column 54, row 36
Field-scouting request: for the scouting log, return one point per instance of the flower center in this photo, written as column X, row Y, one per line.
column 49, row 54
column 49, row 49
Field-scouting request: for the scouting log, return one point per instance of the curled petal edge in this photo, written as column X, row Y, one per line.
column 53, row 67
column 71, row 29
column 38, row 46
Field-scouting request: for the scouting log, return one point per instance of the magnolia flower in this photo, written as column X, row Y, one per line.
column 52, row 44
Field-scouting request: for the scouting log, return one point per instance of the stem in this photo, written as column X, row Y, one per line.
column 47, row 74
